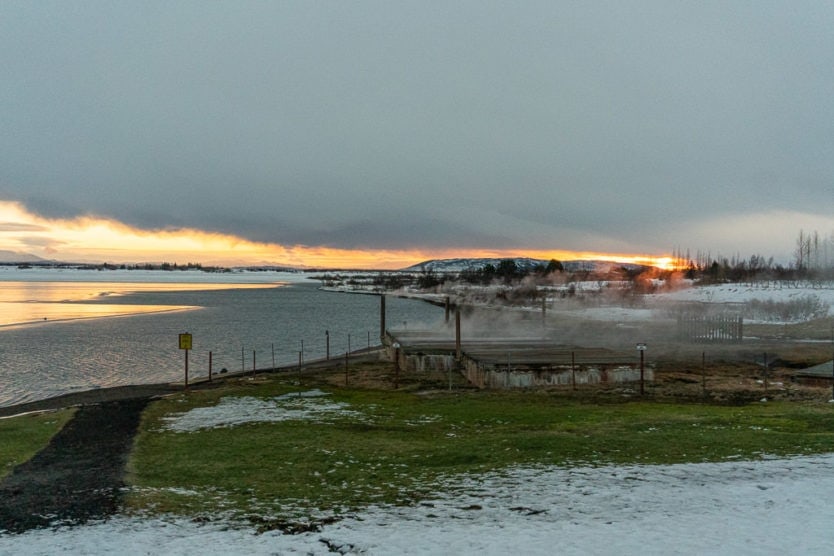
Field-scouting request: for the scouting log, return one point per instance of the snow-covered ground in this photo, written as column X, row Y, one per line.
column 810, row 300
column 777, row 506
column 761, row 291
column 772, row 506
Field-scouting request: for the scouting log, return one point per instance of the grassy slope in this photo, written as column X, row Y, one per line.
column 405, row 442
column 22, row 437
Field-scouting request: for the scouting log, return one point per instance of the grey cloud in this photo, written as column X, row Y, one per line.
column 20, row 227
column 377, row 124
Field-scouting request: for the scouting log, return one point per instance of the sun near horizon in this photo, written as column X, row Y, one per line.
column 92, row 239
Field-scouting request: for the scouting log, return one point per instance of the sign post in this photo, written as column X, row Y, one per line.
column 185, row 345
column 642, row 349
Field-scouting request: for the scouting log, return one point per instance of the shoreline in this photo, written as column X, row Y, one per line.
column 160, row 389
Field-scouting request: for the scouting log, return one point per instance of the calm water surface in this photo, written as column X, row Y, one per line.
column 76, row 348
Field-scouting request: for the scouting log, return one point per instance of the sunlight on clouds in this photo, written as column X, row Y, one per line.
column 94, row 239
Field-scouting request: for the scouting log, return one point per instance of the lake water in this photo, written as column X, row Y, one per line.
column 65, row 331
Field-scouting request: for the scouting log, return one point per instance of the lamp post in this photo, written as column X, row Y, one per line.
column 396, row 347
column 641, row 347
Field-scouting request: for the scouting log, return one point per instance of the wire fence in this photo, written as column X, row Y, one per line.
column 270, row 356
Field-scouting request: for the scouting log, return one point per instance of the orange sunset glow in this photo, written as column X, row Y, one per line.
column 92, row 239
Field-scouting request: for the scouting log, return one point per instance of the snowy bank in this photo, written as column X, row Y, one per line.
column 777, row 506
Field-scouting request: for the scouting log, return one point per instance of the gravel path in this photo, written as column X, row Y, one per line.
column 78, row 476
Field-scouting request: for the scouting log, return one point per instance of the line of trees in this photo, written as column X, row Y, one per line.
column 813, row 259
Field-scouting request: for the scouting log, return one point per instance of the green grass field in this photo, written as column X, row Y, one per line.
column 22, row 437
column 397, row 447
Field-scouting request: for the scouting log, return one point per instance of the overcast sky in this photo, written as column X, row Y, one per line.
column 606, row 126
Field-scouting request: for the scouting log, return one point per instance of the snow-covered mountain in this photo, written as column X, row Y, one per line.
column 458, row 265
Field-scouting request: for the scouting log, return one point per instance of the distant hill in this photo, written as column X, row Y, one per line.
column 13, row 257
column 525, row 263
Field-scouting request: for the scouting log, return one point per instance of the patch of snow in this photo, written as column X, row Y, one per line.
column 742, row 293
column 774, row 506
column 233, row 411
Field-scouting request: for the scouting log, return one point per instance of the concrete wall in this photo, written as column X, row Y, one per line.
column 557, row 376
column 422, row 362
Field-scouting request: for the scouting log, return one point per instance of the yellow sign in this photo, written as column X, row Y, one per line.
column 185, row 341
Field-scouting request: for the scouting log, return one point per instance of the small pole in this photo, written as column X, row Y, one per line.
column 186, row 368
column 242, row 360
column 458, row 351
column 641, row 347
column 369, row 340
column 253, row 363
column 327, row 345
column 642, row 357
column 382, row 317
column 302, row 351
column 765, row 373
column 573, row 369
column 299, row 360
column 209, row 366
column 346, row 367
column 396, row 365
column 348, row 343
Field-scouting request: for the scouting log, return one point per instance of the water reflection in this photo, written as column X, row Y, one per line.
column 44, row 302
column 236, row 326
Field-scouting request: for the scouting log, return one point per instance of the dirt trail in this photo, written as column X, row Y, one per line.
column 78, row 476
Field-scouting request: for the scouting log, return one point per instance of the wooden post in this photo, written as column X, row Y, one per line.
column 209, row 366
column 327, row 345
column 573, row 368
column 396, row 365
column 765, row 373
column 186, row 369
column 382, row 317
column 458, row 351
column 346, row 367
column 641, row 371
